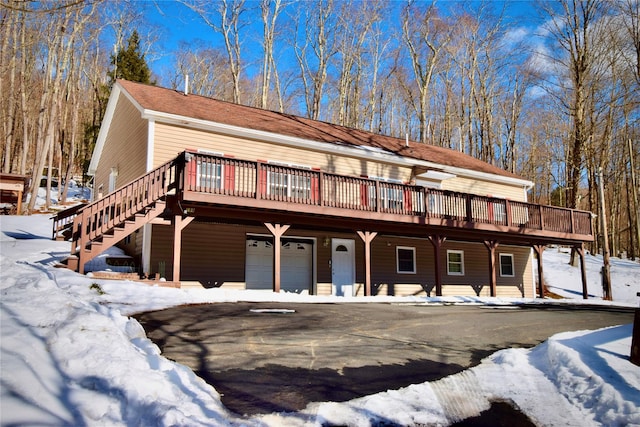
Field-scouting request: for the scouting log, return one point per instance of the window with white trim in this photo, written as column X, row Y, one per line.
column 499, row 212
column 210, row 175
column 300, row 186
column 278, row 184
column 286, row 184
column 455, row 263
column 113, row 177
column 506, row 265
column 406, row 260
column 392, row 198
column 435, row 204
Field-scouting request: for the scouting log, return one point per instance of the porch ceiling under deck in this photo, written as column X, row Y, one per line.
column 230, row 209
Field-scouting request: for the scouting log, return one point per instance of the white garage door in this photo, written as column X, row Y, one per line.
column 296, row 264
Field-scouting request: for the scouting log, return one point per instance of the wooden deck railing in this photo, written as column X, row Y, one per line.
column 101, row 216
column 265, row 181
column 63, row 220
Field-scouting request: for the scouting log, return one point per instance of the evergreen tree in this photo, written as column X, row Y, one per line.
column 129, row 63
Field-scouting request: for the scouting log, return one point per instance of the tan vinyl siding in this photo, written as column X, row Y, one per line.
column 484, row 188
column 125, row 147
column 171, row 140
column 476, row 271
column 385, row 278
column 386, row 281
column 523, row 269
column 212, row 254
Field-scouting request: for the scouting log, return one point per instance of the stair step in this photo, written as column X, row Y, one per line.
column 119, row 231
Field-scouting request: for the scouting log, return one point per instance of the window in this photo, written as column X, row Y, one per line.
column 209, row 175
column 435, row 204
column 406, row 260
column 113, row 177
column 300, row 186
column 288, row 185
column 499, row 214
column 506, row 265
column 392, row 198
column 278, row 184
column 455, row 263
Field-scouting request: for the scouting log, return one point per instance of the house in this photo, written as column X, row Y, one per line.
column 203, row 190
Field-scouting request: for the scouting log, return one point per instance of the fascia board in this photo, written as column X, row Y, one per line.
column 104, row 129
column 325, row 147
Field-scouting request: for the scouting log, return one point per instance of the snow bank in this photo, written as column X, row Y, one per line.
column 71, row 356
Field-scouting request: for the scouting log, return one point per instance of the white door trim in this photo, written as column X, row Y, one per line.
column 343, row 267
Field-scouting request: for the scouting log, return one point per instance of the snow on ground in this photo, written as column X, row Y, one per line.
column 71, row 356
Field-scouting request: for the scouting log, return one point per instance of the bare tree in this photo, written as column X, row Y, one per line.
column 227, row 21
column 317, row 22
column 425, row 34
column 207, row 71
column 355, row 29
column 630, row 18
column 378, row 76
column 572, row 25
column 270, row 11
column 8, row 84
column 62, row 32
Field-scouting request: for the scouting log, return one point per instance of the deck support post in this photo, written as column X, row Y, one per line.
column 583, row 270
column 437, row 241
column 539, row 250
column 179, row 223
column 491, row 247
column 367, row 237
column 277, row 230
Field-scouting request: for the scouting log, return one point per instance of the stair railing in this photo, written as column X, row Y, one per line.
column 63, row 220
column 101, row 216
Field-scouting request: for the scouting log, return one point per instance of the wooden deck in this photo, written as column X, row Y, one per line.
column 201, row 186
column 320, row 199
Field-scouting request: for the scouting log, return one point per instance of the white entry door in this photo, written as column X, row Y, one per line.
column 343, row 267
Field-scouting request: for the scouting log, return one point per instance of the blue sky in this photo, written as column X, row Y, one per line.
column 172, row 23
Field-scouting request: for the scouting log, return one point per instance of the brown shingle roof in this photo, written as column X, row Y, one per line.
column 199, row 107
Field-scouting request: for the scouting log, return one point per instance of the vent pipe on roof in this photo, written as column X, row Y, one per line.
column 186, row 84
column 406, row 139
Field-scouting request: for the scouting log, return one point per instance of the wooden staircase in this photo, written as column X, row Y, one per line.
column 105, row 222
column 63, row 222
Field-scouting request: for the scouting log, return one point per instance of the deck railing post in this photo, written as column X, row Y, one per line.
column 507, row 209
column 468, row 207
column 258, row 183
column 320, row 188
column 572, row 225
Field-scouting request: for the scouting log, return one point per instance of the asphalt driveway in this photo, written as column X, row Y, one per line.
column 267, row 357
